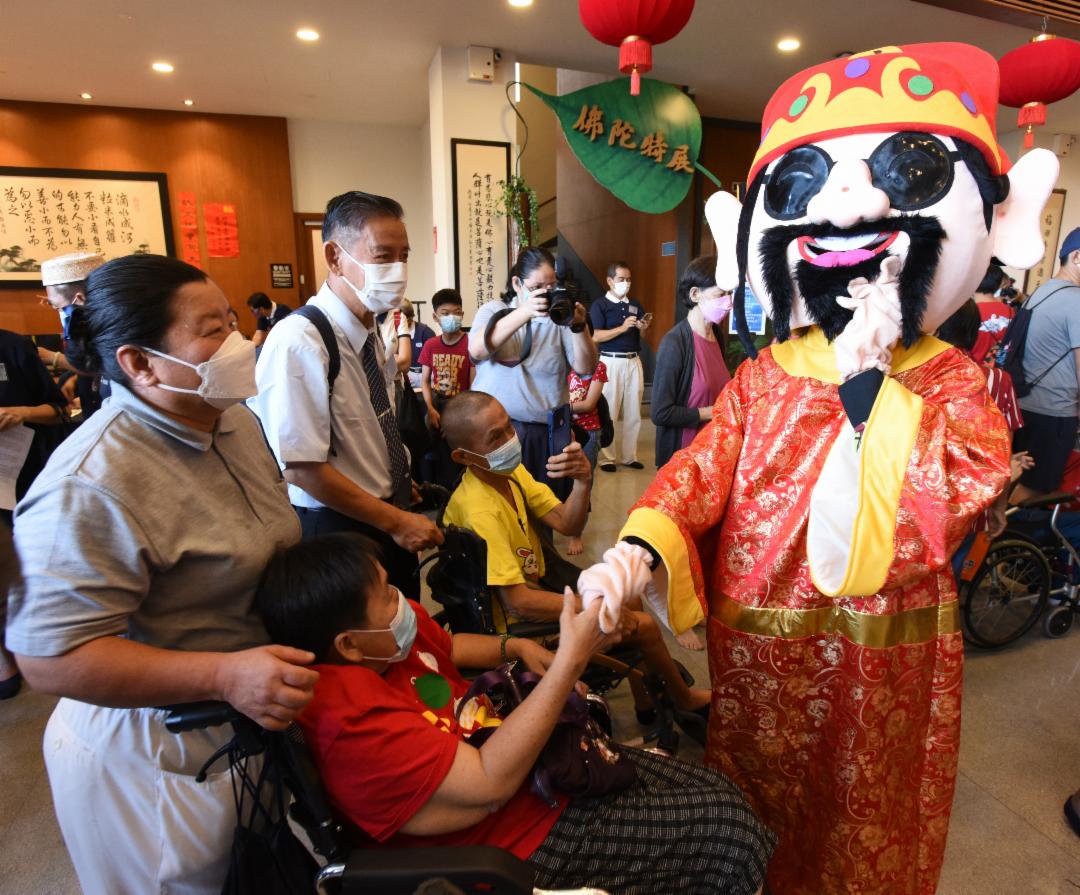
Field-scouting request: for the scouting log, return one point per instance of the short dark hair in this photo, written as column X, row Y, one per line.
column 459, row 415
column 128, row 302
column 962, row 329
column 351, row 211
column 259, row 300
column 700, row 273
column 314, row 590
column 445, row 297
column 614, row 266
column 991, row 280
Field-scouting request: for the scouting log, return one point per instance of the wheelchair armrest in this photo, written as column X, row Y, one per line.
column 532, row 630
column 1048, row 500
column 198, row 715
column 401, row 872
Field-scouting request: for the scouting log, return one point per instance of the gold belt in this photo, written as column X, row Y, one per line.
column 875, row 631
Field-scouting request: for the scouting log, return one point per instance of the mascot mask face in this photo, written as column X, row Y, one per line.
column 891, row 152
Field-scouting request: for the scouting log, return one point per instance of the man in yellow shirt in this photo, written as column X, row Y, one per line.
column 500, row 501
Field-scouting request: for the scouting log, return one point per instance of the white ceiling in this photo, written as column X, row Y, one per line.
column 241, row 56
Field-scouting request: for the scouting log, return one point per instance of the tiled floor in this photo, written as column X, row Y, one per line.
column 1019, row 757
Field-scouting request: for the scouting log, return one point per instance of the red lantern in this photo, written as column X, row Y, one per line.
column 634, row 26
column 1039, row 73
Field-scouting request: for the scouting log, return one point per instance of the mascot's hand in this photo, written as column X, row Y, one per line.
column 867, row 341
column 623, row 574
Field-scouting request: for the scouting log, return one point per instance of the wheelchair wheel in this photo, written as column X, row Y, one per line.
column 1058, row 621
column 1007, row 594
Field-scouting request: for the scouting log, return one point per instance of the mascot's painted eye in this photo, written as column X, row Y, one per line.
column 913, row 169
column 797, row 178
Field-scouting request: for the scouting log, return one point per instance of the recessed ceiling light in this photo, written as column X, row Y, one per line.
column 308, row 34
column 788, row 45
column 85, row 96
column 189, row 102
column 163, row 67
column 521, row 2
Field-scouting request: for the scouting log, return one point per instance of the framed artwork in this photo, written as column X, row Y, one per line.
column 1050, row 223
column 51, row 211
column 481, row 237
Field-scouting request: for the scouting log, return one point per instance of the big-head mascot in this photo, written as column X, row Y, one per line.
column 812, row 522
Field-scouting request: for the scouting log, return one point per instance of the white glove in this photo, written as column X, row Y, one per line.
column 867, row 341
column 623, row 574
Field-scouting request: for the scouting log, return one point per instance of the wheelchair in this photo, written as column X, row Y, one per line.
column 1030, row 571
column 457, row 577
column 349, row 870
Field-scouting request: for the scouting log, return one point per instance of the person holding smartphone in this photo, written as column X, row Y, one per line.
column 619, row 322
column 523, row 357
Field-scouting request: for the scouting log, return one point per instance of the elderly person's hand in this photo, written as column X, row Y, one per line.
column 268, row 683
column 570, row 464
column 530, row 653
column 1019, row 462
column 579, row 632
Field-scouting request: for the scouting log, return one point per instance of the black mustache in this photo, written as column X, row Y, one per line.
column 913, row 225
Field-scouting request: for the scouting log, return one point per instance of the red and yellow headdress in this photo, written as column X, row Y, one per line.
column 950, row 89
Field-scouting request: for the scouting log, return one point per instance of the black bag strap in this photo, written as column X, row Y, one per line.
column 321, row 322
column 526, row 348
column 1042, row 375
column 1051, row 295
column 317, row 318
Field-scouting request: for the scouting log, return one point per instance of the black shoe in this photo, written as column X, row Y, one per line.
column 634, row 464
column 10, row 687
column 1072, row 811
column 608, row 467
column 645, row 717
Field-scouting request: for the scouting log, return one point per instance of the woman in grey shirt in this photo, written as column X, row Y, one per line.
column 142, row 543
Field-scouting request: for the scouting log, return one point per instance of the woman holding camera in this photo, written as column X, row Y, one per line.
column 524, row 347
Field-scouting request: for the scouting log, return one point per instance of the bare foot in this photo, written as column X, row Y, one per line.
column 688, row 639
column 574, row 547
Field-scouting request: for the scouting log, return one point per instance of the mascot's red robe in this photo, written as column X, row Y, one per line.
column 839, row 716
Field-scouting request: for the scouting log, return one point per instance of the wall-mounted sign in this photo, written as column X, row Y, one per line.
column 481, row 236
column 1050, row 225
column 46, row 212
column 667, row 249
column 281, row 276
column 754, row 313
column 643, row 148
column 222, row 233
column 189, row 229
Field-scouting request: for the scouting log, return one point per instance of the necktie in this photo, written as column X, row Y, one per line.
column 399, row 464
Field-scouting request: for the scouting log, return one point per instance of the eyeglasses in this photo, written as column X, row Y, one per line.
column 913, row 169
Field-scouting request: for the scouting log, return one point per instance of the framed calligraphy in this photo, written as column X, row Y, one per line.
column 1050, row 226
column 481, row 236
column 46, row 212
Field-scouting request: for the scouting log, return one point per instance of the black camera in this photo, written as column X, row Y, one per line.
column 563, row 297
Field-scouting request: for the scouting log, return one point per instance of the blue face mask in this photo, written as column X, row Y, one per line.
column 402, row 626
column 65, row 318
column 450, row 323
column 505, row 458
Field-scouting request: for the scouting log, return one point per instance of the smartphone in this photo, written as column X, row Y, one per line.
column 647, row 319
column 560, row 432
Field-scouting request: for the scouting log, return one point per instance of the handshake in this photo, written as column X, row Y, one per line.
column 623, row 575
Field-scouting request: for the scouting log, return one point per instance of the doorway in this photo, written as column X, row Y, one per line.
column 309, row 254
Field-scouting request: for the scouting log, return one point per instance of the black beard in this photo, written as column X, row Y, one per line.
column 819, row 286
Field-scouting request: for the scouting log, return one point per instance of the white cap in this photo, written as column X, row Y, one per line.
column 72, row 268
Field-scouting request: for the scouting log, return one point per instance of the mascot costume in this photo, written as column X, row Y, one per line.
column 812, row 522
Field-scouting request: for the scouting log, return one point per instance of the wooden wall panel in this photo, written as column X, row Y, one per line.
column 240, row 159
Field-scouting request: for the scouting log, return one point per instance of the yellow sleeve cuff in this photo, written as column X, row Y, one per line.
column 685, row 605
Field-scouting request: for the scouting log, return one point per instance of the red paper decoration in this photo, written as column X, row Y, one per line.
column 1039, row 73
column 634, row 26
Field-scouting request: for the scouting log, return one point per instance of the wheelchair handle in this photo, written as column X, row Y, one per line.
column 198, row 715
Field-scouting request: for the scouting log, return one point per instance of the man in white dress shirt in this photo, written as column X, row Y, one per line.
column 340, row 448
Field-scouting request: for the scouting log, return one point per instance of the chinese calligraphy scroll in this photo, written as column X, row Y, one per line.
column 48, row 211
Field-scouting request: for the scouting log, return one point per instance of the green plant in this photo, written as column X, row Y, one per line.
column 517, row 197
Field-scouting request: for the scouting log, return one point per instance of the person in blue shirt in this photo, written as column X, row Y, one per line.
column 619, row 321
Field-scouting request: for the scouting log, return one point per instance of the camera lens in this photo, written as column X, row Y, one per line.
column 561, row 310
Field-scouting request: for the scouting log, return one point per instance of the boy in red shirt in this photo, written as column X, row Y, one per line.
column 446, row 369
column 391, row 746
column 585, row 394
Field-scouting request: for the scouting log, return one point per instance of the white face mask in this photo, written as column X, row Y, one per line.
column 384, row 284
column 620, row 290
column 227, row 377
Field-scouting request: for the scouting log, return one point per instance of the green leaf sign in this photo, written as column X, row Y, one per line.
column 642, row 148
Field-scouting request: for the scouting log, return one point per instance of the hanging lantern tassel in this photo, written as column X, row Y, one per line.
column 635, row 59
column 1031, row 116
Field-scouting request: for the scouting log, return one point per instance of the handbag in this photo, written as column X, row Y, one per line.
column 579, row 759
